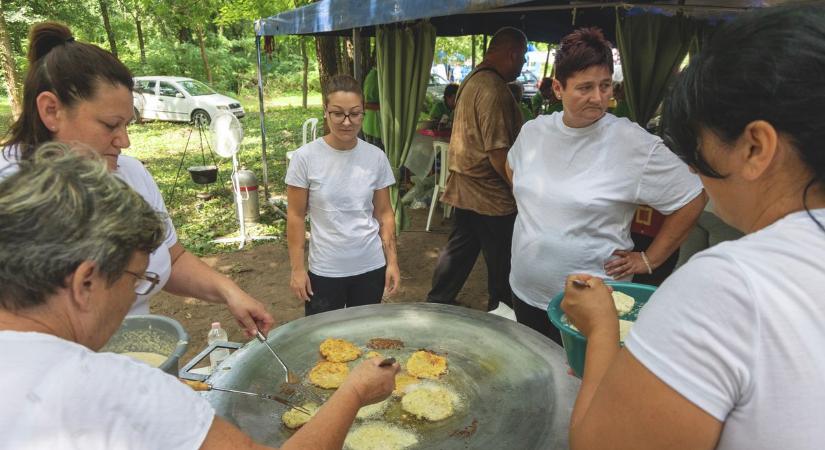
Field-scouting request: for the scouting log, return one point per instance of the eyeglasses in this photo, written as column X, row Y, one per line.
column 144, row 283
column 339, row 116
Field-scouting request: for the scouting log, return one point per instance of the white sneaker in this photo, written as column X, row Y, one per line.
column 504, row 311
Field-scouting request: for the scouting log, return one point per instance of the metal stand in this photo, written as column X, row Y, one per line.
column 201, row 140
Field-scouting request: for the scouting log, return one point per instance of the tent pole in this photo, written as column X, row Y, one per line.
column 473, row 45
column 546, row 61
column 263, row 124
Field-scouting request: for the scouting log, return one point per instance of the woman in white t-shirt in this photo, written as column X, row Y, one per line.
column 578, row 178
column 77, row 92
column 728, row 352
column 343, row 183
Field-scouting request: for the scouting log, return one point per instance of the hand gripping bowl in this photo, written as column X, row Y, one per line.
column 516, row 393
column 575, row 344
column 153, row 334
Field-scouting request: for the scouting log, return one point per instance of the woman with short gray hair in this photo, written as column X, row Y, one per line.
column 74, row 248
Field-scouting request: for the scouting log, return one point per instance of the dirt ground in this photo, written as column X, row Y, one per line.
column 263, row 271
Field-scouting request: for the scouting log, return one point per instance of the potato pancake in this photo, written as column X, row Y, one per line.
column 328, row 375
column 426, row 364
column 402, row 380
column 295, row 419
column 339, row 350
column 379, row 436
column 430, row 402
column 372, row 354
column 385, row 344
column 376, row 409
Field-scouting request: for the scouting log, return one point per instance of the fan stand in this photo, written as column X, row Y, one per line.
column 205, row 194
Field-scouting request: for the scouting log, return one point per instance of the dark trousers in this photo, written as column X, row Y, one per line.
column 329, row 294
column 535, row 318
column 474, row 233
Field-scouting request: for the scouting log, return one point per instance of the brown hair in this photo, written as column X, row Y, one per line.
column 580, row 50
column 342, row 83
column 67, row 68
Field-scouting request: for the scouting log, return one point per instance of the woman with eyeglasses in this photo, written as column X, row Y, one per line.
column 342, row 182
column 78, row 93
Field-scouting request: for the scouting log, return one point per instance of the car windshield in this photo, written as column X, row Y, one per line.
column 196, row 88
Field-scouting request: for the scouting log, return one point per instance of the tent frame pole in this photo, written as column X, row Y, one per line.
column 262, row 116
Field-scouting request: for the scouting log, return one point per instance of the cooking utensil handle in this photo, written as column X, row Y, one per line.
column 186, row 372
column 199, row 386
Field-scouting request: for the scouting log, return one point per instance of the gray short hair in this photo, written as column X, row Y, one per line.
column 62, row 208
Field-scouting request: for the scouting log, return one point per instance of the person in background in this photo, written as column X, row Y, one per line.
column 545, row 100
column 727, row 353
column 441, row 114
column 372, row 109
column 78, row 92
column 578, row 177
column 487, row 120
column 618, row 105
column 75, row 242
column 518, row 91
column 343, row 183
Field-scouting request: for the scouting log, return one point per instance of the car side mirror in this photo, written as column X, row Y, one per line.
column 178, row 95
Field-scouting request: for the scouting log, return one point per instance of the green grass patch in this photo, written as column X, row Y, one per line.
column 160, row 145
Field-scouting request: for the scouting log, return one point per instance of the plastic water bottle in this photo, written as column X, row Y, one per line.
column 217, row 334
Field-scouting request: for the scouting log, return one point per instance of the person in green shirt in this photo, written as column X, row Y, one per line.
column 441, row 113
column 545, row 101
column 372, row 117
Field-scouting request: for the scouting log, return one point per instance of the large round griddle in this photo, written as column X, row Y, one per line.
column 513, row 381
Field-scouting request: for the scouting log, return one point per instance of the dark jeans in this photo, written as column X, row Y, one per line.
column 474, row 233
column 535, row 318
column 336, row 293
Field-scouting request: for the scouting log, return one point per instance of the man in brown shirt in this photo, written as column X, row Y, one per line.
column 486, row 121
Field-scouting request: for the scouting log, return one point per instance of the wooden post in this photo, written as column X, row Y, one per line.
column 358, row 56
column 484, row 47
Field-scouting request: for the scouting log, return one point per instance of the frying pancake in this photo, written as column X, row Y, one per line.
column 379, row 436
column 426, row 364
column 295, row 419
column 328, row 375
column 376, row 409
column 402, row 380
column 339, row 350
column 372, row 354
column 430, row 402
column 385, row 344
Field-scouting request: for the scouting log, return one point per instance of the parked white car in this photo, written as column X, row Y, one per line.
column 180, row 99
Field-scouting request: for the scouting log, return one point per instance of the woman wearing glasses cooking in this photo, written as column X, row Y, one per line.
column 343, row 183
column 90, row 104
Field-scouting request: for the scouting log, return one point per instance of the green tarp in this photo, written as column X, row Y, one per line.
column 404, row 55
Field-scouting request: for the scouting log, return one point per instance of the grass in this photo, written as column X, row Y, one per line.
column 160, row 145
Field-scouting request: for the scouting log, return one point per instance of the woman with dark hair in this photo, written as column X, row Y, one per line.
column 76, row 92
column 728, row 352
column 343, row 183
column 578, row 177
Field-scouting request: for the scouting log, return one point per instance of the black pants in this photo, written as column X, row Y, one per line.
column 535, row 318
column 473, row 232
column 329, row 294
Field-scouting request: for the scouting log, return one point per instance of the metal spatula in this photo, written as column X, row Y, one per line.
column 291, row 378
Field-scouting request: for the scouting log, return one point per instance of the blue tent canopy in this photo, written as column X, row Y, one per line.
column 541, row 20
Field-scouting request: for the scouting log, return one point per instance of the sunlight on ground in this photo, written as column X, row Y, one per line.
column 314, row 99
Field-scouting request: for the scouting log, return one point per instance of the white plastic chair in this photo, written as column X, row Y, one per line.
column 310, row 124
column 444, row 149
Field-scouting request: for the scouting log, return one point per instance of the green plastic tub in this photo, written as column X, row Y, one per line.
column 574, row 342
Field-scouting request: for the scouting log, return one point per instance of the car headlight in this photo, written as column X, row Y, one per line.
column 223, row 108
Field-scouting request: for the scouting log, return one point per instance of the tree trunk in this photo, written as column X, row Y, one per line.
column 141, row 43
column 203, row 55
column 304, row 82
column 326, row 49
column 110, row 33
column 345, row 64
column 9, row 67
